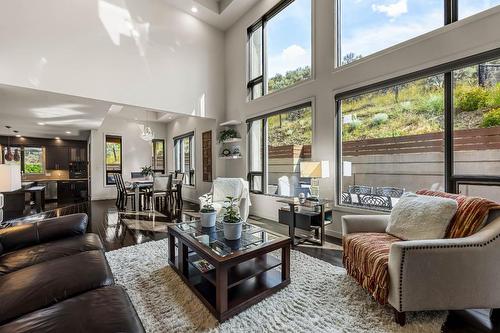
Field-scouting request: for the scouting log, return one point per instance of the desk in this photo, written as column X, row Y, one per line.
column 313, row 205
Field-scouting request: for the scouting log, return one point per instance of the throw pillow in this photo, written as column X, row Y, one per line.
column 417, row 217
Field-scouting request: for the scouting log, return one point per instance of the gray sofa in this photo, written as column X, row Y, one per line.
column 440, row 274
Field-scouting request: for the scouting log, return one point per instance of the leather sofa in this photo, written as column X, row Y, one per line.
column 54, row 277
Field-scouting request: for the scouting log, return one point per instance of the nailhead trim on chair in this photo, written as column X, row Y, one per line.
column 430, row 248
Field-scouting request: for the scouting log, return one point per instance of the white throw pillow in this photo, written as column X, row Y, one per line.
column 417, row 217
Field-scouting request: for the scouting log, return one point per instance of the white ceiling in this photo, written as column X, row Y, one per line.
column 36, row 113
column 221, row 14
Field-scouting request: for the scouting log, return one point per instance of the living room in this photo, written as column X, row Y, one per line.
column 249, row 165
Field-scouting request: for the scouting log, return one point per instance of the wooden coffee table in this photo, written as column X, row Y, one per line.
column 243, row 272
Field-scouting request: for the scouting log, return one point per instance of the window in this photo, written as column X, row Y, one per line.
column 33, row 160
column 158, row 156
column 365, row 27
column 279, row 46
column 440, row 131
column 184, row 157
column 277, row 143
column 113, row 157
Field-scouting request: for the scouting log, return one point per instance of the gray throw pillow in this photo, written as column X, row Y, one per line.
column 416, row 217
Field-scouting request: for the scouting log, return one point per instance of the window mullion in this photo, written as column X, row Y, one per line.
column 448, row 133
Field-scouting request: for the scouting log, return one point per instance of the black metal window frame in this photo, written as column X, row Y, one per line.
column 262, row 79
column 110, row 181
column 450, row 16
column 264, row 141
column 189, row 175
column 153, row 156
column 451, row 180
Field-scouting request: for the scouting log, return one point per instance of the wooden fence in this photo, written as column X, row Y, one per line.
column 290, row 151
column 464, row 140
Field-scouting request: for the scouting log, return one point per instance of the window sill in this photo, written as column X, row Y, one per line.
column 275, row 93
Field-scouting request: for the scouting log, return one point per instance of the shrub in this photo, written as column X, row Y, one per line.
column 32, row 168
column 470, row 98
column 491, row 118
column 494, row 93
column 379, row 119
column 434, row 104
column 355, row 123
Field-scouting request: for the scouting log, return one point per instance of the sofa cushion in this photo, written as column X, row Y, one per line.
column 366, row 258
column 471, row 215
column 15, row 260
column 104, row 310
column 417, row 217
column 52, row 281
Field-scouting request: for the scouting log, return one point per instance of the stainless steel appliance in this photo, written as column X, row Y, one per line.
column 50, row 189
column 78, row 170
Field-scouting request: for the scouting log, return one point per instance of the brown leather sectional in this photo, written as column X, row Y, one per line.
column 55, row 278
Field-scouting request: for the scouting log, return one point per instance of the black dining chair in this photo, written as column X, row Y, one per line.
column 177, row 190
column 136, row 175
column 123, row 193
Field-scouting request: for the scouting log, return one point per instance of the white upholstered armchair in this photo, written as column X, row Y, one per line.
column 223, row 187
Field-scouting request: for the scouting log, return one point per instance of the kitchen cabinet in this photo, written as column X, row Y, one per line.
column 57, row 158
column 77, row 154
column 72, row 190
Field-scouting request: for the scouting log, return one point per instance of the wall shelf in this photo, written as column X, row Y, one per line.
column 232, row 140
column 231, row 157
column 230, row 123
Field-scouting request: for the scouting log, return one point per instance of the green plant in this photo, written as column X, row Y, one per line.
column 147, row 171
column 494, row 100
column 227, row 134
column 470, row 98
column 32, row 168
column 379, row 119
column 491, row 118
column 231, row 214
column 433, row 105
column 207, row 208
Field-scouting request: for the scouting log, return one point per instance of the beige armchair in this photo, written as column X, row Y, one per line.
column 223, row 187
column 440, row 274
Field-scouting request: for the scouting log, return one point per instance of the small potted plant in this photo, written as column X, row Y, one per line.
column 208, row 215
column 233, row 225
column 147, row 171
column 227, row 134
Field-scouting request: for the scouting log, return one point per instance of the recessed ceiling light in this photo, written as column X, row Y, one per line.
column 18, row 135
column 68, row 132
column 57, row 138
column 41, row 124
column 194, row 9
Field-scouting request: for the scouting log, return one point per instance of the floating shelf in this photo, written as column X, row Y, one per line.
column 230, row 123
column 231, row 157
column 232, row 140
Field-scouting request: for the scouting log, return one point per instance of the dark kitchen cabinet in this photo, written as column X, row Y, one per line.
column 72, row 190
column 57, row 158
column 77, row 154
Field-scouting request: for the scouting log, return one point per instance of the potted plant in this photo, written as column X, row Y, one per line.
column 208, row 215
column 233, row 225
column 147, row 171
column 227, row 134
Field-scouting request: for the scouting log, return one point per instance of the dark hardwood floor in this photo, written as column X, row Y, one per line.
column 116, row 232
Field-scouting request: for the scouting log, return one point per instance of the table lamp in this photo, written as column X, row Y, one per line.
column 314, row 170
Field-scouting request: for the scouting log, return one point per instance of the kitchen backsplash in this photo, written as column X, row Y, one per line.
column 49, row 174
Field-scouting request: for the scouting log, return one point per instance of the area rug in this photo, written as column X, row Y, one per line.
column 320, row 298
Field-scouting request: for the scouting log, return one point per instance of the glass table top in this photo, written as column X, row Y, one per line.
column 251, row 237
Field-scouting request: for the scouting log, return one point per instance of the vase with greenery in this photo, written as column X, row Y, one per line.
column 147, row 171
column 227, row 134
column 233, row 225
column 208, row 215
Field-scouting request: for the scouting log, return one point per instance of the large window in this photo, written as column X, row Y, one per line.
column 33, row 160
column 184, row 157
column 365, row 27
column 440, row 131
column 158, row 156
column 279, row 47
column 113, row 156
column 277, row 143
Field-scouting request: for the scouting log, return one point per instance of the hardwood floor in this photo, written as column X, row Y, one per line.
column 116, row 232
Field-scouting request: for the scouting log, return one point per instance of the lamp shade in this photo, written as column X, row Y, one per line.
column 314, row 169
column 10, row 177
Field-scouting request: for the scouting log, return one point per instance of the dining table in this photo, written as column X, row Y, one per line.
column 138, row 184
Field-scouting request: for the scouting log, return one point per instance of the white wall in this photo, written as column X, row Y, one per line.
column 473, row 35
column 198, row 125
column 136, row 152
column 136, row 52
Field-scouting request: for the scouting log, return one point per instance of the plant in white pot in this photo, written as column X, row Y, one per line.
column 233, row 225
column 208, row 215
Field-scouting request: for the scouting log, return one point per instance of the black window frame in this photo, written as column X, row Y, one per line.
column 153, row 155
column 264, row 149
column 451, row 8
column 189, row 176
column 110, row 181
column 451, row 180
column 262, row 79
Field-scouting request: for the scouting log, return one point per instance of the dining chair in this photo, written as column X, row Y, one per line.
column 136, row 175
column 162, row 188
column 124, row 193
column 177, row 190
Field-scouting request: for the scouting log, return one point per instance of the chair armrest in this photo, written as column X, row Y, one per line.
column 446, row 274
column 30, row 234
column 364, row 223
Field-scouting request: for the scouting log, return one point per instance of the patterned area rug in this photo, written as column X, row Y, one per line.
column 320, row 298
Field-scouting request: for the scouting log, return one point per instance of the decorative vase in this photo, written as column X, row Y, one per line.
column 232, row 231
column 207, row 220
